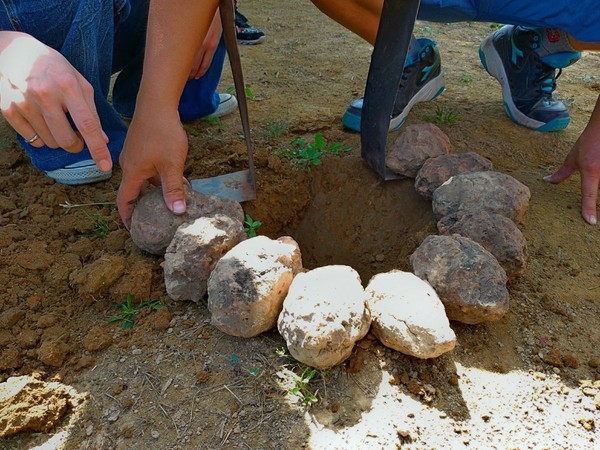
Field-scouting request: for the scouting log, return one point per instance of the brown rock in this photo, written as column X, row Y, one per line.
column 436, row 171
column 415, row 144
column 161, row 320
column 98, row 338
column 53, row 352
column 497, row 234
column 95, row 278
column 467, row 278
column 492, row 191
column 11, row 317
column 10, row 359
column 153, row 225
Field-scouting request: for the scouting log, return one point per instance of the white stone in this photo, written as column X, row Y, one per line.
column 408, row 316
column 323, row 315
column 247, row 286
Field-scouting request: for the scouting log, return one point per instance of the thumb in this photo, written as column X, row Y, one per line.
column 564, row 172
column 174, row 192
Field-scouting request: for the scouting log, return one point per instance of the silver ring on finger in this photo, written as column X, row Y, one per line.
column 32, row 139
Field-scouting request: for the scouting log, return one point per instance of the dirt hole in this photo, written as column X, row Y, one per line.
column 355, row 219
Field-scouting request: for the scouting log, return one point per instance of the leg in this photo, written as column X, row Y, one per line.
column 199, row 98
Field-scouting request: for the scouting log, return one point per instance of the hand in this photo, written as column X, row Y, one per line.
column 155, row 150
column 208, row 48
column 585, row 158
column 38, row 86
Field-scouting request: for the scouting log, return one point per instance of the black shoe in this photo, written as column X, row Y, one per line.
column 421, row 81
column 246, row 33
column 510, row 56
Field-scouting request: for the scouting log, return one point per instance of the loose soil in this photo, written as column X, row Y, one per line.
column 174, row 382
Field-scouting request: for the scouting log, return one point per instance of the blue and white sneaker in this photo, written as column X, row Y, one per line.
column 527, row 81
column 422, row 80
column 82, row 172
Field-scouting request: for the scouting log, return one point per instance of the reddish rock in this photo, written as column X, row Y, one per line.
column 153, row 225
column 415, row 144
column 53, row 352
column 468, row 279
column 98, row 338
column 491, row 191
column 436, row 171
column 497, row 234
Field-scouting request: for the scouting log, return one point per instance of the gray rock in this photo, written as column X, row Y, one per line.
column 408, row 315
column 497, row 234
column 195, row 250
column 494, row 192
column 323, row 315
column 436, row 171
column 469, row 280
column 153, row 225
column 413, row 146
column 247, row 286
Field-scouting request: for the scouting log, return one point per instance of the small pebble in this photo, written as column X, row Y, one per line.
column 155, row 434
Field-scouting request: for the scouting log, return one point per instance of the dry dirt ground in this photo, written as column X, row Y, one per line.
column 175, row 382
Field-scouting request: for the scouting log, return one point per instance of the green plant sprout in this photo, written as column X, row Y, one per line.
column 445, row 116
column 129, row 312
column 247, row 90
column 306, row 154
column 250, row 225
column 301, row 388
column 276, row 128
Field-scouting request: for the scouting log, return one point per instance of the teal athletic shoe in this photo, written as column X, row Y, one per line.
column 422, row 80
column 528, row 81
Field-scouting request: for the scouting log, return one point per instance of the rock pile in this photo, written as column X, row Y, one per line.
column 256, row 284
column 478, row 210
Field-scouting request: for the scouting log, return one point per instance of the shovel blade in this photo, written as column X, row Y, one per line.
column 238, row 186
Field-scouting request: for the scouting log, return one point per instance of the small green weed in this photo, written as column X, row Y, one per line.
column 495, row 26
column 466, row 79
column 306, row 154
column 250, row 225
column 276, row 128
column 247, row 90
column 299, row 377
column 445, row 116
column 101, row 227
column 129, row 312
column 302, row 389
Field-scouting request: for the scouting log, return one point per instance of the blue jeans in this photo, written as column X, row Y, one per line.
column 100, row 38
column 579, row 18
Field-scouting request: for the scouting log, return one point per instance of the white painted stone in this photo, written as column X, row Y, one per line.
column 408, row 316
column 323, row 315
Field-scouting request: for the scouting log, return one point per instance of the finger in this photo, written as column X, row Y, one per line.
column 589, row 192
column 22, row 127
column 564, row 172
column 87, row 122
column 61, row 130
column 127, row 196
column 173, row 191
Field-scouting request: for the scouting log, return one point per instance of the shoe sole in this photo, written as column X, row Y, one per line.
column 490, row 58
column 78, row 175
column 429, row 92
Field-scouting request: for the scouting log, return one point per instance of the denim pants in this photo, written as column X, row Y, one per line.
column 100, row 38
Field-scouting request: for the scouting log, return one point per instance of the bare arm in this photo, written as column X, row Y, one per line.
column 156, row 146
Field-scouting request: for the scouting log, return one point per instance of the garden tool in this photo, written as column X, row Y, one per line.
column 387, row 62
column 239, row 186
